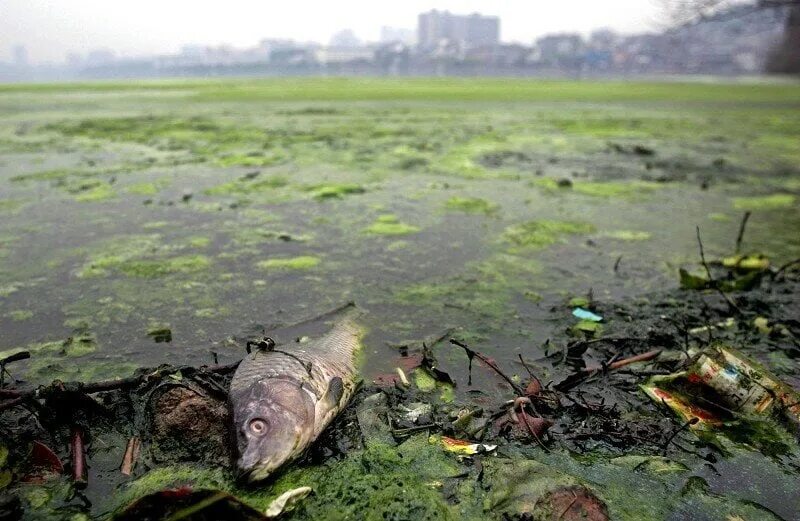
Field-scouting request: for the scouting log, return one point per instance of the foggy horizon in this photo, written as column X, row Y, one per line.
column 51, row 32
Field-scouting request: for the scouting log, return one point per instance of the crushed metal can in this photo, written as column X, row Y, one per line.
column 737, row 385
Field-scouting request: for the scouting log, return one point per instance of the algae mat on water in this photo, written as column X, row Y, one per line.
column 168, row 221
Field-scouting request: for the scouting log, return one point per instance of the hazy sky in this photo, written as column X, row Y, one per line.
column 50, row 29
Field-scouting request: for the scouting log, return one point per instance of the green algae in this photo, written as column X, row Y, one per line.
column 147, row 268
column 143, row 256
column 11, row 205
column 19, row 315
column 302, row 262
column 145, row 188
column 390, row 225
column 376, row 483
column 628, row 235
column 542, row 233
column 249, row 185
column 486, row 288
column 626, row 189
column 334, row 191
column 198, row 241
column 766, row 202
column 472, row 205
column 101, row 192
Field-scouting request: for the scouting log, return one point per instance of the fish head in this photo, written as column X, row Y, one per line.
column 272, row 418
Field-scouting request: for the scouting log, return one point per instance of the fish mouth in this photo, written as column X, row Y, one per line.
column 251, row 474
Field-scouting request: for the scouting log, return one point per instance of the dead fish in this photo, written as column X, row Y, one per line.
column 283, row 397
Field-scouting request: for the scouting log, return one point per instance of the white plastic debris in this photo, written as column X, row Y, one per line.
column 286, row 501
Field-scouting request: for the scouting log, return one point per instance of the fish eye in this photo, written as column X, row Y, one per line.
column 258, row 426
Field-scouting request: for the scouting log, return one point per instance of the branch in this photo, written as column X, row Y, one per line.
column 713, row 283
column 488, row 361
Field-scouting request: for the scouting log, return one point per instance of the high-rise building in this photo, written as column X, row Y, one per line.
column 472, row 30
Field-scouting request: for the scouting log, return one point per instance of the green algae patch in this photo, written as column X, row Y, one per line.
column 157, row 268
column 198, row 241
column 472, row 205
column 334, row 191
column 146, row 188
column 376, row 483
column 252, row 159
column 628, row 235
column 543, row 233
column 486, row 288
column 101, row 192
column 390, row 225
column 19, row 315
column 248, row 185
column 11, row 205
column 303, row 262
column 627, row 189
column 765, row 202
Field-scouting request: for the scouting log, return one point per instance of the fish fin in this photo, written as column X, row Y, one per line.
column 335, row 391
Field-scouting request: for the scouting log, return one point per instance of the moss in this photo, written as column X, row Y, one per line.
column 471, row 205
column 766, row 202
column 101, row 192
column 538, row 234
column 390, row 225
column 334, row 191
column 303, row 262
column 615, row 188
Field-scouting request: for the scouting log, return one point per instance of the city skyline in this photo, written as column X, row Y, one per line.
column 50, row 33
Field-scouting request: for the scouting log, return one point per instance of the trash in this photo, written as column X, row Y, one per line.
column 286, row 501
column 585, row 314
column 130, row 457
column 726, row 324
column 402, row 376
column 754, row 262
column 462, row 447
column 44, row 464
column 726, row 382
column 414, row 410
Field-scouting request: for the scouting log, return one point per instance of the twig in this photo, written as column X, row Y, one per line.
column 711, row 281
column 678, row 431
column 472, row 353
column 530, row 429
column 131, row 455
column 78, row 457
column 16, row 357
column 649, row 355
column 742, row 226
column 784, row 268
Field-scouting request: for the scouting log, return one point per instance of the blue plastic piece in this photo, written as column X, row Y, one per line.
column 585, row 314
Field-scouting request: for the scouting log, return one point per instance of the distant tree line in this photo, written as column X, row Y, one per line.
column 784, row 58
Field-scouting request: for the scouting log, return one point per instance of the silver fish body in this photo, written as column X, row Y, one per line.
column 282, row 399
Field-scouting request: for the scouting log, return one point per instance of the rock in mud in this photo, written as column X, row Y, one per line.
column 570, row 503
column 189, row 426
